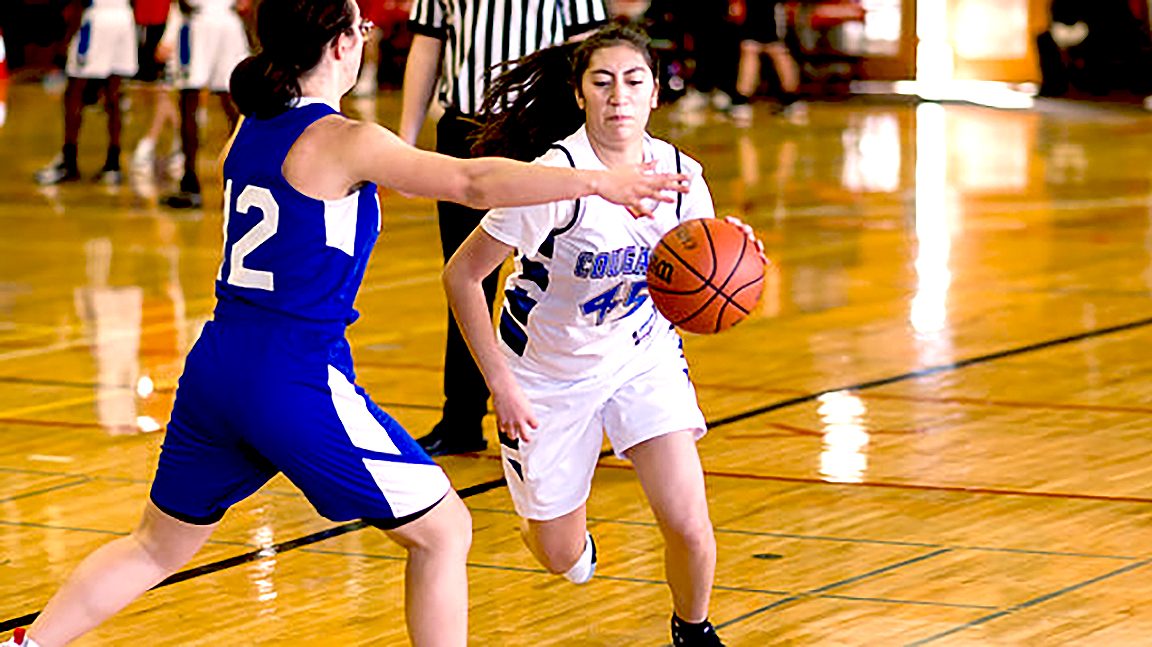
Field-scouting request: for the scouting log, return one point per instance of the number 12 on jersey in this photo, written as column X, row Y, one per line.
column 263, row 200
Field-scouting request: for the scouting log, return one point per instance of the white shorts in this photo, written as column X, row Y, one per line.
column 105, row 45
column 209, row 46
column 552, row 475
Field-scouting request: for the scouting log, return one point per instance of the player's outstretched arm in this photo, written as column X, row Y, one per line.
column 375, row 154
column 474, row 260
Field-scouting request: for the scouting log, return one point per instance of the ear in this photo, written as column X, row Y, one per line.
column 579, row 99
column 655, row 96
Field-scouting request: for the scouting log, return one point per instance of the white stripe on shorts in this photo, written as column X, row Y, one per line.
column 363, row 429
column 408, row 487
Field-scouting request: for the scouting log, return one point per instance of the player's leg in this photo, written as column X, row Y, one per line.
column 562, row 545
column 654, row 421
column 118, row 573
column 110, row 173
column 673, row 480
column 435, row 577
column 65, row 168
column 550, row 477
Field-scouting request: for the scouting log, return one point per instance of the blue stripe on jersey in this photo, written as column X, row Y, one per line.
column 85, row 37
column 534, row 272
column 185, row 46
column 519, row 304
column 512, row 334
column 287, row 254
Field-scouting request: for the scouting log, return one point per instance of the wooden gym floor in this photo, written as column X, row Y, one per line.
column 935, row 433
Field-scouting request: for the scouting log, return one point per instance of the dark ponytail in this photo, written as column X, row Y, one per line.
column 292, row 35
column 532, row 104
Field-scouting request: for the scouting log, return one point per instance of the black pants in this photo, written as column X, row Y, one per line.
column 465, row 393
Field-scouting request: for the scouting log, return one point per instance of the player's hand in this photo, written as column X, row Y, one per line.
column 514, row 415
column 744, row 227
column 638, row 189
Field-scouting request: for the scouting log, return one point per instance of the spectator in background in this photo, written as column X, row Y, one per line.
column 102, row 51
column 761, row 35
column 210, row 43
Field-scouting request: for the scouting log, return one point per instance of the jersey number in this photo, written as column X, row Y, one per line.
column 603, row 303
column 261, row 198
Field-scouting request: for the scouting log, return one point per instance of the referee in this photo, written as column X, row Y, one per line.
column 456, row 45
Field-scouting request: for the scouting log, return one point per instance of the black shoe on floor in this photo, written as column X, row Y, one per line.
column 685, row 634
column 443, row 442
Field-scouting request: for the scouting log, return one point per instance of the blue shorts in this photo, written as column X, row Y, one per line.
column 261, row 397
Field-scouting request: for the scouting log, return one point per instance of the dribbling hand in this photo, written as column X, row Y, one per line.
column 744, row 227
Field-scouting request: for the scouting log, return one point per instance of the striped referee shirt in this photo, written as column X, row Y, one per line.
column 481, row 34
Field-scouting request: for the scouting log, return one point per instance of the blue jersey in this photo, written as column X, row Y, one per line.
column 269, row 386
column 285, row 253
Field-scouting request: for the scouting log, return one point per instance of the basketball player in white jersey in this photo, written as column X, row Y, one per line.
column 269, row 387
column 207, row 46
column 103, row 49
column 580, row 350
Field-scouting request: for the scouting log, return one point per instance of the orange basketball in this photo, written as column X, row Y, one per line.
column 705, row 275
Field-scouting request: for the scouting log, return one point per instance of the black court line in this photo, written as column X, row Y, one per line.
column 834, row 585
column 932, row 370
column 1029, row 603
column 206, row 569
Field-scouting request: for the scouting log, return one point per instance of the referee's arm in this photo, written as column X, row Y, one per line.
column 421, row 72
column 422, row 69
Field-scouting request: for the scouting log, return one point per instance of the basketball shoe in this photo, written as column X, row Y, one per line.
column 702, row 634
column 585, row 566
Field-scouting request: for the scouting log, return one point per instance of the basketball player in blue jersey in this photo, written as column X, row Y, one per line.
column 580, row 350
column 269, row 385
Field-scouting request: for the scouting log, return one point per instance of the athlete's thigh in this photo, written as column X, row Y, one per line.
column 105, row 45
column 349, row 457
column 205, row 464
column 551, row 475
column 657, row 401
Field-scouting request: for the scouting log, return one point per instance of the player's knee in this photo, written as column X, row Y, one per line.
column 693, row 533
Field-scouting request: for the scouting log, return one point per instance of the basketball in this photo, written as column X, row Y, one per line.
column 705, row 276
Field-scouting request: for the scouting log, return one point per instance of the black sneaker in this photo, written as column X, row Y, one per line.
column 57, row 173
column 441, row 442
column 694, row 635
column 184, row 200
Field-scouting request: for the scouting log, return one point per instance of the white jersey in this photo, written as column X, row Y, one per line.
column 577, row 304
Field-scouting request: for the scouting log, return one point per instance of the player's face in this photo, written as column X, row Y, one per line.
column 619, row 94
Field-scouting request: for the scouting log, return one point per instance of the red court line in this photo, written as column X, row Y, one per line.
column 985, row 402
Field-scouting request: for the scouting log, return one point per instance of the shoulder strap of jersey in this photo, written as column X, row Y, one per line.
column 576, row 209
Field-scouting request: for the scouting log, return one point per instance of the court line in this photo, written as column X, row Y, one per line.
column 644, row 580
column 846, row 540
column 1029, row 603
column 490, row 485
column 59, row 486
column 932, row 370
column 834, row 585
